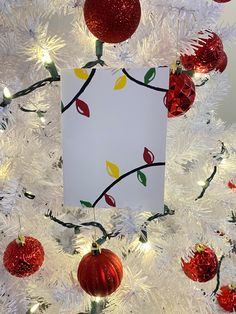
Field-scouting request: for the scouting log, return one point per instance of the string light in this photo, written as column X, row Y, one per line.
column 197, row 75
column 7, row 96
column 49, row 64
column 224, row 163
column 28, row 194
column 4, row 170
column 34, row 308
column 201, row 183
column 46, row 58
column 43, row 120
column 146, row 247
column 141, row 246
column 41, row 116
column 7, row 93
column 200, row 78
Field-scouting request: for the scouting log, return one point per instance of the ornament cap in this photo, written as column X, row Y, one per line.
column 20, row 240
column 96, row 250
column 200, row 247
column 176, row 68
column 232, row 287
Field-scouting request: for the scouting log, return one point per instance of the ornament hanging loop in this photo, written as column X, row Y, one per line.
column 178, row 35
column 176, row 68
column 20, row 227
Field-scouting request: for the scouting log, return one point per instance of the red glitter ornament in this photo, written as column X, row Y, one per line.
column 112, row 21
column 206, row 56
column 100, row 272
column 222, row 1
column 222, row 62
column 202, row 266
column 181, row 94
column 227, row 298
column 23, row 256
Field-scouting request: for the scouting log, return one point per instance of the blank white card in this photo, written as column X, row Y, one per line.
column 114, row 137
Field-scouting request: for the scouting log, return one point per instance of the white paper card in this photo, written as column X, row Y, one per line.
column 114, row 137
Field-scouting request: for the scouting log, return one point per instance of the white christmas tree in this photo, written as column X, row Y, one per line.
column 200, row 173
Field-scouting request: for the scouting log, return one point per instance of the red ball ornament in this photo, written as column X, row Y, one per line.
column 180, row 95
column 100, row 272
column 112, row 21
column 222, row 1
column 206, row 56
column 23, row 256
column 203, row 264
column 227, row 298
column 222, row 62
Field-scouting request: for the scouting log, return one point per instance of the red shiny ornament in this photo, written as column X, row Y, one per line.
column 112, row 21
column 202, row 266
column 227, row 298
column 222, row 1
column 23, row 257
column 180, row 96
column 206, row 56
column 100, row 272
column 222, row 62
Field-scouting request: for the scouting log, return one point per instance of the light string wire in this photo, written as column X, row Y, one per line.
column 218, row 158
column 95, row 224
column 218, row 276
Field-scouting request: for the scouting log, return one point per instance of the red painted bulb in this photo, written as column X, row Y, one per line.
column 180, row 95
column 227, row 298
column 100, row 272
column 112, row 21
column 207, row 55
column 23, row 257
column 202, row 265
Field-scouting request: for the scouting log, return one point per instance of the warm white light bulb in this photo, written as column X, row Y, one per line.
column 34, row 308
column 201, row 183
column 98, row 299
column 6, row 93
column 46, row 59
column 146, row 247
column 197, row 75
column 43, row 120
column 224, row 162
